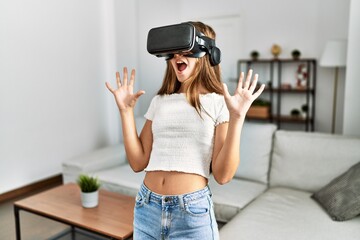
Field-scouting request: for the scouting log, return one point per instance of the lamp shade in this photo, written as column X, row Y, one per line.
column 334, row 54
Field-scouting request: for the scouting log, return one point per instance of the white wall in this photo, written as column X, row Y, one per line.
column 122, row 51
column 56, row 55
column 52, row 95
column 305, row 25
column 352, row 83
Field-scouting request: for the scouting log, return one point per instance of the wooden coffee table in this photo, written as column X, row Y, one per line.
column 112, row 218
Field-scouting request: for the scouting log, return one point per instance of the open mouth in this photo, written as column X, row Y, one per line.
column 181, row 66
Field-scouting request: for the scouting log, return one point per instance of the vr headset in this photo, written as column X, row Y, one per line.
column 182, row 39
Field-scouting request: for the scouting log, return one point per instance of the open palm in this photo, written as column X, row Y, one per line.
column 124, row 96
column 244, row 95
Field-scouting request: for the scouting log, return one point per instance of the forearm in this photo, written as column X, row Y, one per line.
column 227, row 161
column 133, row 146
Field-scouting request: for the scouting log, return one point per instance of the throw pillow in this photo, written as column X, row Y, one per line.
column 341, row 197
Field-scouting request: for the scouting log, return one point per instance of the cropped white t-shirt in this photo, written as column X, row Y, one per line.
column 182, row 140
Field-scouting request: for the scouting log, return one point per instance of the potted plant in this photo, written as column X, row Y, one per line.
column 296, row 54
column 305, row 109
column 295, row 113
column 254, row 55
column 89, row 187
column 260, row 108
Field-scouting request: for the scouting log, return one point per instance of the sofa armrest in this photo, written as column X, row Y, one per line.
column 94, row 161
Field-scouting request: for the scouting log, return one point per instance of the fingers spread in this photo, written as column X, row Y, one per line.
column 125, row 76
column 254, row 83
column 259, row 91
column 240, row 83
column 109, row 87
column 132, row 77
column 248, row 78
column 226, row 91
column 118, row 81
column 139, row 93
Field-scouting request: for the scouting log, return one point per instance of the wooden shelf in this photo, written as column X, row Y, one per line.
column 276, row 71
column 291, row 119
column 284, row 118
column 291, row 90
column 284, row 60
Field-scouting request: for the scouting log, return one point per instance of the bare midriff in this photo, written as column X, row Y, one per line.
column 174, row 183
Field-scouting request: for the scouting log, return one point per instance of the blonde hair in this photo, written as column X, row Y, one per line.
column 205, row 75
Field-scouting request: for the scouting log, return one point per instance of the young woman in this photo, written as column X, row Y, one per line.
column 193, row 129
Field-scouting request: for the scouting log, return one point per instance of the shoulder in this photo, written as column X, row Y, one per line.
column 155, row 99
column 214, row 99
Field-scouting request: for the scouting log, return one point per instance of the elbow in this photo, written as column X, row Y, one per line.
column 138, row 164
column 223, row 177
column 222, row 180
column 137, row 169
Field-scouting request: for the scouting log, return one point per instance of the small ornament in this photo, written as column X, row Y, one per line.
column 301, row 76
column 254, row 55
column 275, row 50
column 296, row 54
column 305, row 110
column 286, row 86
column 295, row 112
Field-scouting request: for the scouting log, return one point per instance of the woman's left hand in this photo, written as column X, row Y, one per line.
column 244, row 95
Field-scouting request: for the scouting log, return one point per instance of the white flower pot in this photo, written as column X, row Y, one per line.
column 90, row 200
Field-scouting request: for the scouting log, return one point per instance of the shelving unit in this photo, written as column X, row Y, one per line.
column 277, row 72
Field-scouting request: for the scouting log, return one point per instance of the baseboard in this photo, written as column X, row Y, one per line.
column 42, row 184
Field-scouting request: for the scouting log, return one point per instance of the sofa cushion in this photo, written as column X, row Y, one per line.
column 90, row 162
column 230, row 198
column 256, row 144
column 282, row 213
column 309, row 161
column 121, row 179
column 341, row 197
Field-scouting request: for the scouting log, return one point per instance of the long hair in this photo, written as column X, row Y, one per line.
column 204, row 75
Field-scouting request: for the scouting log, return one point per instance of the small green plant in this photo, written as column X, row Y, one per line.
column 254, row 55
column 296, row 54
column 261, row 102
column 295, row 113
column 88, row 183
column 305, row 108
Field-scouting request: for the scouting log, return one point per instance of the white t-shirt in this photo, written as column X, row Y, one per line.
column 182, row 140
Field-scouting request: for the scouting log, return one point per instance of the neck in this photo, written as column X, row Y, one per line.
column 184, row 88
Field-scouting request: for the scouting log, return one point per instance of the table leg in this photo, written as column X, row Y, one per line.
column 17, row 223
column 73, row 232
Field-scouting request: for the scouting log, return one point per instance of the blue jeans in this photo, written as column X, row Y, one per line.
column 188, row 216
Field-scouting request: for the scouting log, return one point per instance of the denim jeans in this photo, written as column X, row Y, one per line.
column 188, row 216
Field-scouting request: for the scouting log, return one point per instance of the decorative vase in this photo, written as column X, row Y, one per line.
column 90, row 200
column 275, row 50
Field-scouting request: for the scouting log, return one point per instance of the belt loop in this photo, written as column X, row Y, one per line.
column 147, row 196
column 181, row 202
column 210, row 193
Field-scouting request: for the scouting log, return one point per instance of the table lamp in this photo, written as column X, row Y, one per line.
column 334, row 55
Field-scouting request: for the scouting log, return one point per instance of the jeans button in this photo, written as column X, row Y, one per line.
column 166, row 199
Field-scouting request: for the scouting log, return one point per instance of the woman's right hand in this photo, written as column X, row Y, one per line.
column 124, row 96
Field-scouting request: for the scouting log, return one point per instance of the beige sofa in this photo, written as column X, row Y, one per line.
column 269, row 197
